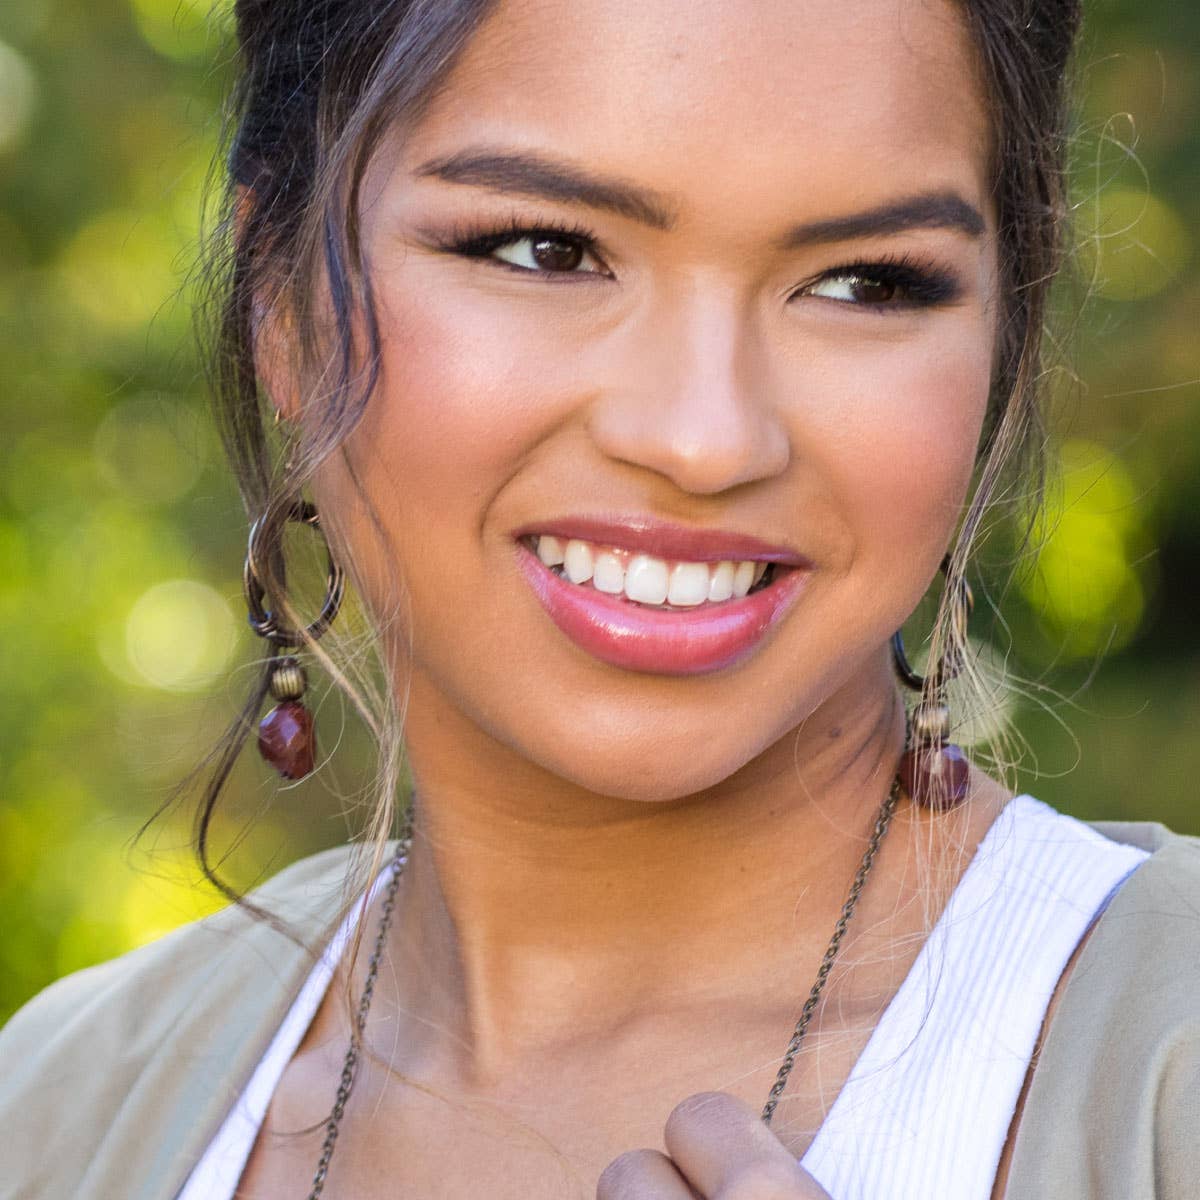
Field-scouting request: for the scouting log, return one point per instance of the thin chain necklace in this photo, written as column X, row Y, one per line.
column 350, row 1064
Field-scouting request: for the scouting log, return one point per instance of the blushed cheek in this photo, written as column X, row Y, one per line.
column 465, row 393
column 905, row 473
column 461, row 404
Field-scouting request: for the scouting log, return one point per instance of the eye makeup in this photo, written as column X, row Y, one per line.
column 890, row 281
column 883, row 283
column 481, row 240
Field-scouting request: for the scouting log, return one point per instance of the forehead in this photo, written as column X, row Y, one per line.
column 831, row 101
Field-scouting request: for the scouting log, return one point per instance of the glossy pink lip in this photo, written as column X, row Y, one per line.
column 659, row 641
column 664, row 540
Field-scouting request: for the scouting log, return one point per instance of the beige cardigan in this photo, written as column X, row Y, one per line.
column 114, row 1080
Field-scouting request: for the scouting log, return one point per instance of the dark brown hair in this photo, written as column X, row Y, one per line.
column 322, row 81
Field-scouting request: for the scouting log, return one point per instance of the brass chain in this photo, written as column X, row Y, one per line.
column 882, row 822
column 350, row 1064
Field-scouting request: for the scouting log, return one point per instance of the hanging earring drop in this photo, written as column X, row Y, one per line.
column 934, row 771
column 287, row 734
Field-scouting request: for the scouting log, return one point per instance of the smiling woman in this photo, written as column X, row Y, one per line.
column 644, row 363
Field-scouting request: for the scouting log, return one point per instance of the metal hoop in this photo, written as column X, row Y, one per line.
column 262, row 620
column 948, row 668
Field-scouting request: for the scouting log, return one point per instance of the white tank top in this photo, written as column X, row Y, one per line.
column 927, row 1108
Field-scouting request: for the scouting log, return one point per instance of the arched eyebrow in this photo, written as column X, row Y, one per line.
column 534, row 175
column 528, row 174
column 934, row 210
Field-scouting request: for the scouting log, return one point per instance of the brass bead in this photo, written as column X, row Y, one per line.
column 288, row 679
column 930, row 724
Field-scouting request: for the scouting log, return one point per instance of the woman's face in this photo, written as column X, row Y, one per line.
column 686, row 282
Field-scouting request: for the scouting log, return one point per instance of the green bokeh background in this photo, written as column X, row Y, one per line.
column 124, row 646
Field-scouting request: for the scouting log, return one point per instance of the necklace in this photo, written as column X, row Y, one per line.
column 350, row 1064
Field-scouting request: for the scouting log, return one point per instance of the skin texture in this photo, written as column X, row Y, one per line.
column 623, row 882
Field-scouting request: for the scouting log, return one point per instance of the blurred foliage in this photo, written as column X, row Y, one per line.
column 125, row 650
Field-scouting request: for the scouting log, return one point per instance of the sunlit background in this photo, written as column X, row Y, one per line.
column 124, row 646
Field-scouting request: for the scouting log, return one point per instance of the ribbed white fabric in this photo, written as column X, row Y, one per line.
column 927, row 1107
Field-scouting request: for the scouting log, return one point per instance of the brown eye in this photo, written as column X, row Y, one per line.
column 557, row 254
column 873, row 291
column 547, row 254
column 886, row 286
column 851, row 288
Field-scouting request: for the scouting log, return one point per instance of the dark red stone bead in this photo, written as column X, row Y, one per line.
column 287, row 741
column 935, row 777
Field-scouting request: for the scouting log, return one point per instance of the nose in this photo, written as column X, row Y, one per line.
column 692, row 398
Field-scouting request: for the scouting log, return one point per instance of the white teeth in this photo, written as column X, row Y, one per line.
column 689, row 584
column 577, row 561
column 550, row 550
column 646, row 579
column 721, row 586
column 608, row 574
column 743, row 578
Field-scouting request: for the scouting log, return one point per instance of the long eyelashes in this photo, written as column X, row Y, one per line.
column 885, row 283
column 893, row 281
column 482, row 241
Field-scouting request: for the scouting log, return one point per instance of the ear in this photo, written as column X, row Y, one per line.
column 274, row 358
column 271, row 331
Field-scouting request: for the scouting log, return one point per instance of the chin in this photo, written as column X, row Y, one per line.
column 652, row 770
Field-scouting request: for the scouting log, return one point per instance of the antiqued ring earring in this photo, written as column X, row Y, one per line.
column 933, row 770
column 287, row 735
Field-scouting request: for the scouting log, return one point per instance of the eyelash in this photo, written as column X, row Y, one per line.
column 921, row 284
column 479, row 241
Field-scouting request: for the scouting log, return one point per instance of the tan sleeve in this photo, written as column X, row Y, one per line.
column 1113, row 1111
column 1177, row 1128
column 113, row 1080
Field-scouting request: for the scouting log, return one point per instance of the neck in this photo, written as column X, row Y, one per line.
column 528, row 900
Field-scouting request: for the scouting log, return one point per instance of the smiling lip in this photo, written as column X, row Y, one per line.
column 661, row 641
column 664, row 540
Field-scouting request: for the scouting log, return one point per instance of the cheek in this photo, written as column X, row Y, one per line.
column 892, row 433
column 918, row 406
column 466, row 390
column 929, row 425
column 469, row 392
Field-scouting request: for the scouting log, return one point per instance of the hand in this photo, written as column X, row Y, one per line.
column 717, row 1149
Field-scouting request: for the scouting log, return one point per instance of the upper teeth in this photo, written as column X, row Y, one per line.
column 645, row 578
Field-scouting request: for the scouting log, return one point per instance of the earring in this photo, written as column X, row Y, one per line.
column 286, row 735
column 933, row 770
